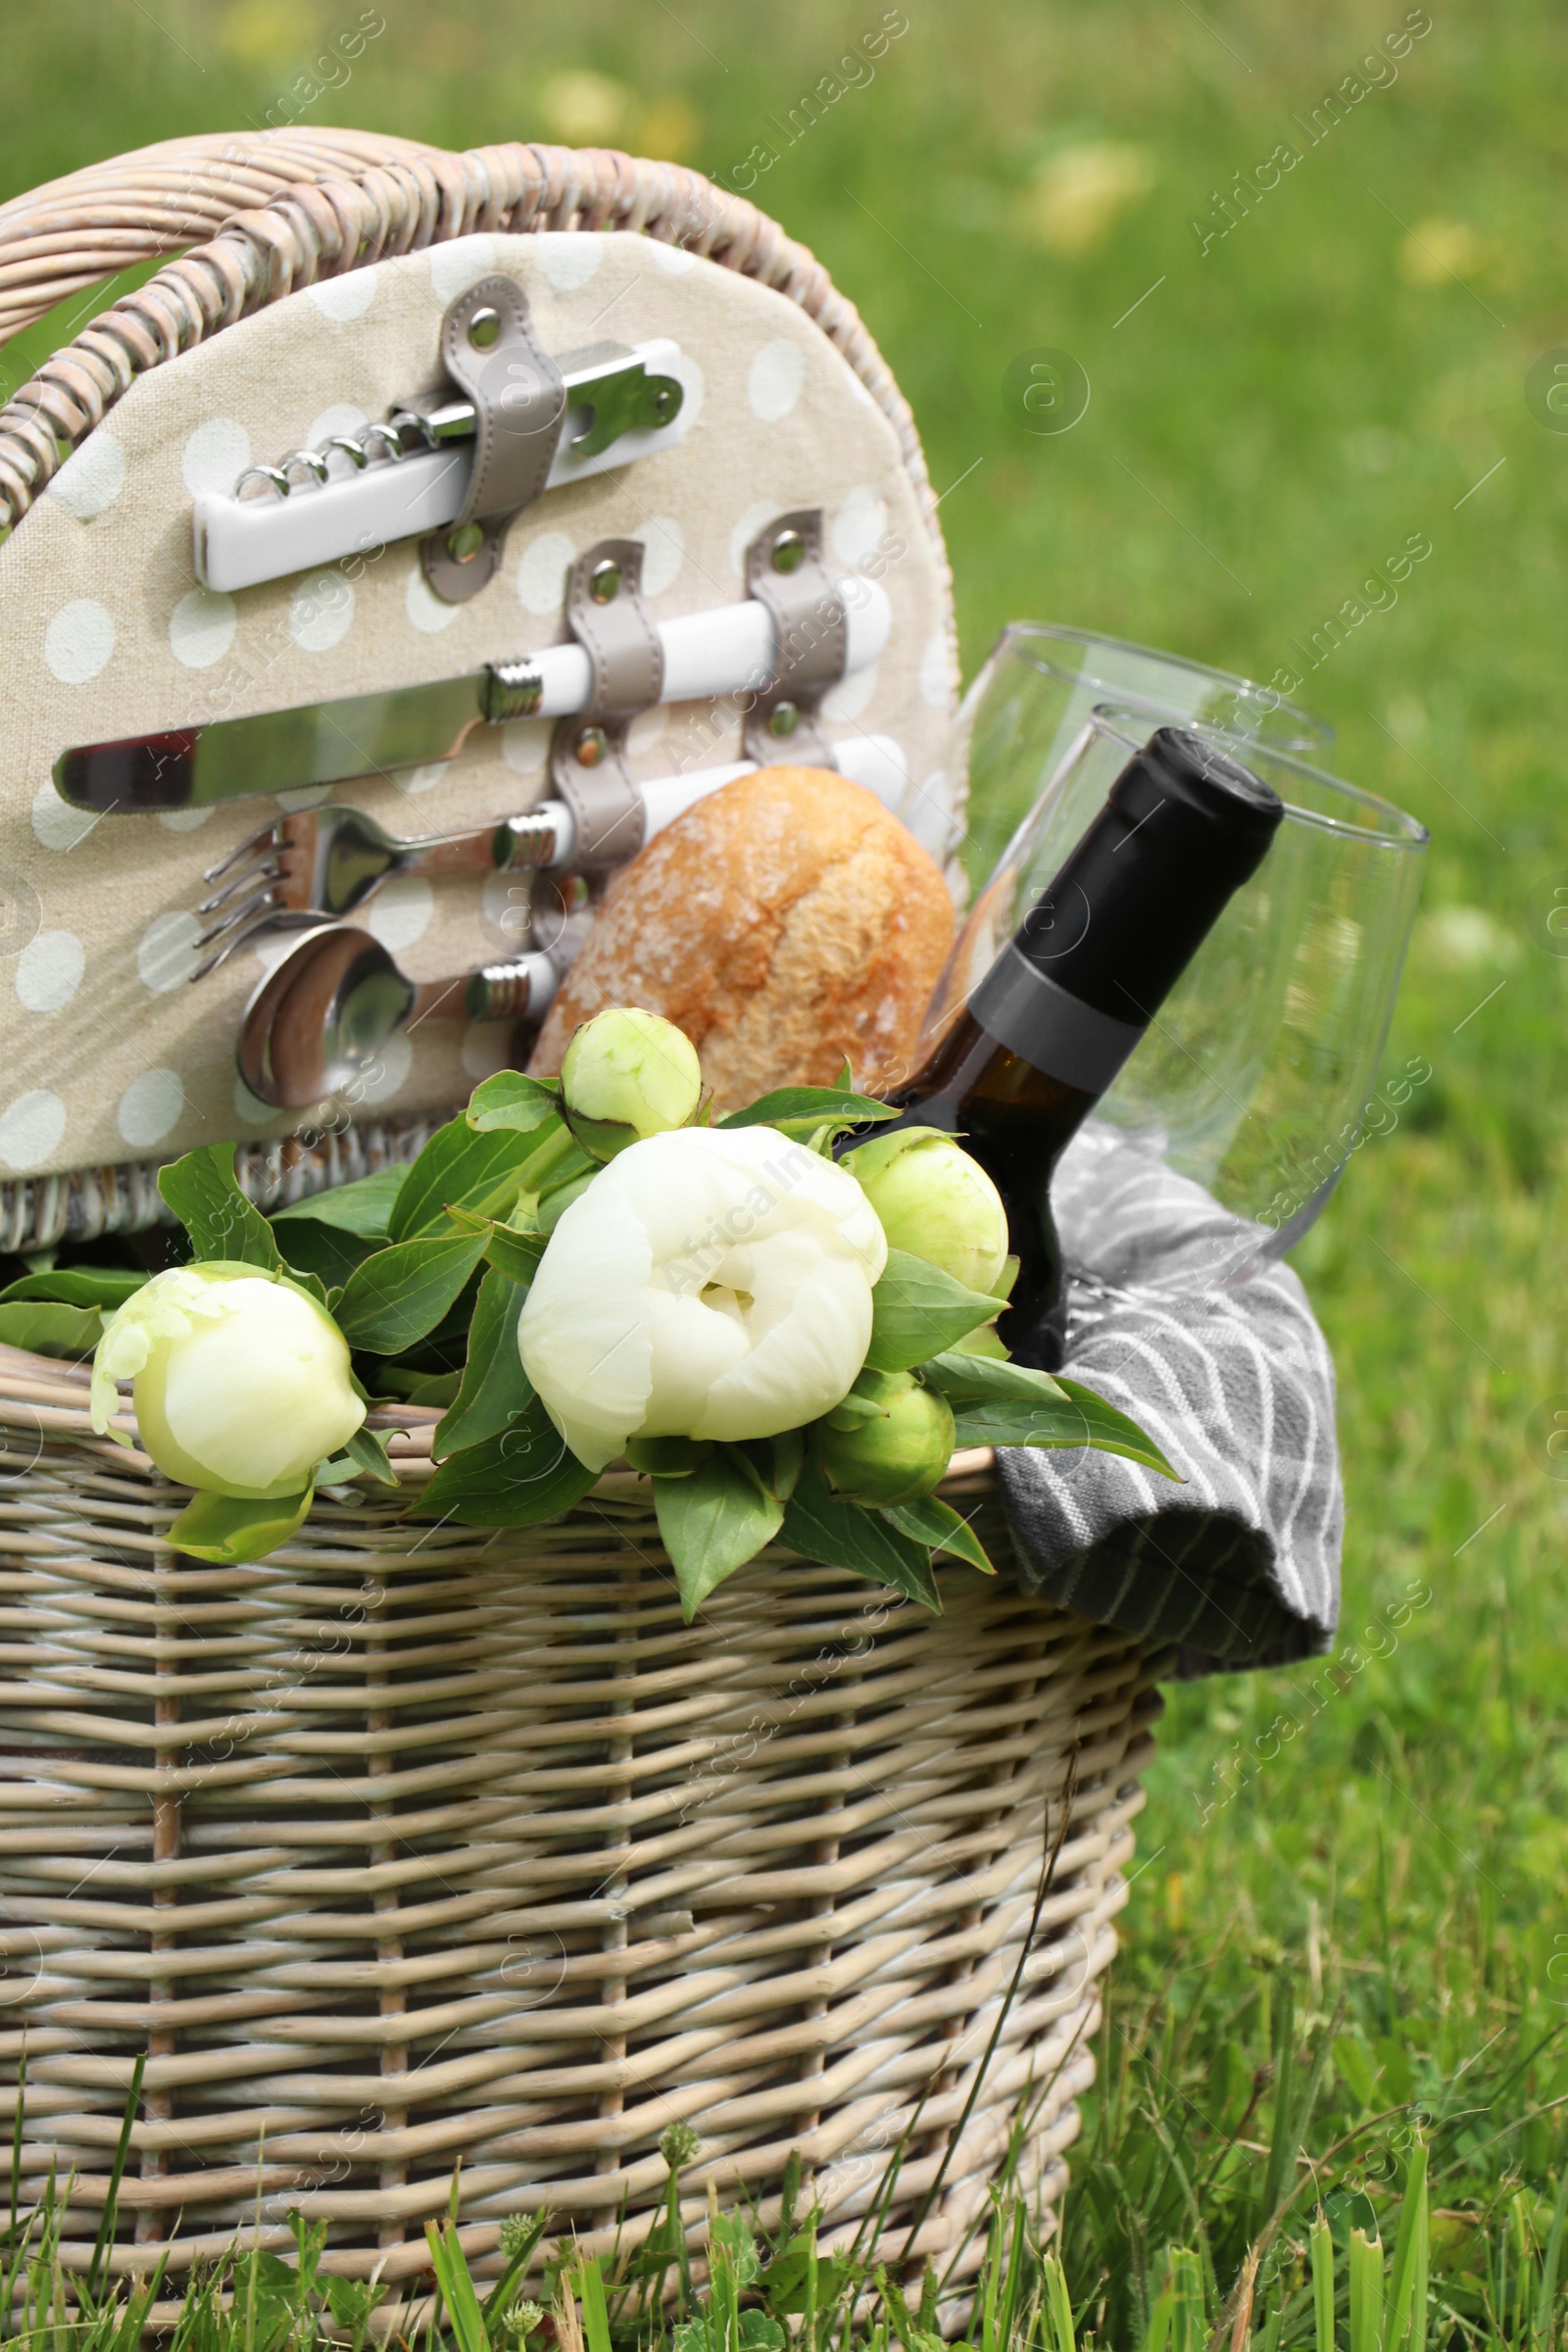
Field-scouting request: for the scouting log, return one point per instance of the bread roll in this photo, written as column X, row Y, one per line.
column 784, row 923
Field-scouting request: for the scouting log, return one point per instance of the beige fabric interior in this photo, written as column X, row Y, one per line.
column 107, row 1054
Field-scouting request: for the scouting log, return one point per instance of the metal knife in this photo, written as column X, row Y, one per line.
column 716, row 653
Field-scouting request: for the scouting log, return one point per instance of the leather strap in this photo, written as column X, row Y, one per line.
column 520, row 401
column 588, row 751
column 784, row 570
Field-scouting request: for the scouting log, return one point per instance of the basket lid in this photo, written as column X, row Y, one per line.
column 317, row 309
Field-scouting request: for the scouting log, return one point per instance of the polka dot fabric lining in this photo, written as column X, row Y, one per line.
column 105, row 1050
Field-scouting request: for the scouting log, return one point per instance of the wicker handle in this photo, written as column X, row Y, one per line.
column 71, row 234
column 275, row 220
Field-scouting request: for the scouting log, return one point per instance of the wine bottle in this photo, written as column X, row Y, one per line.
column 1052, row 1023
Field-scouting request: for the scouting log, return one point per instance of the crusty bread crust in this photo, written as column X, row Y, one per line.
column 783, row 923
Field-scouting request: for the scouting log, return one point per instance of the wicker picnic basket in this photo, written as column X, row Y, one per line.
column 417, row 1842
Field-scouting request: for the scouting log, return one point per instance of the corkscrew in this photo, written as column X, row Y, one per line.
column 410, row 474
column 600, row 407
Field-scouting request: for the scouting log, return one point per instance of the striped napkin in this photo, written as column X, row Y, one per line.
column 1233, row 1379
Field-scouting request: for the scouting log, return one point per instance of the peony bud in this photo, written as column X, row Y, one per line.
column 627, row 1075
column 936, row 1203
column 241, row 1382
column 897, row 1456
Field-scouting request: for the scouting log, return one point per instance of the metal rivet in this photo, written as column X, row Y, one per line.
column 484, row 329
column 465, row 543
column 662, row 404
column 603, row 582
column 592, row 745
column 783, row 720
column 789, row 551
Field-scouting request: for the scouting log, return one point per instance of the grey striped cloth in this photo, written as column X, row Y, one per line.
column 1233, row 1379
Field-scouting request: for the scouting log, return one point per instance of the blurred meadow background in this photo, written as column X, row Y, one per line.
column 1349, row 1925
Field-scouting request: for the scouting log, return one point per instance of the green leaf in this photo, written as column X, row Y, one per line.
column 556, row 1157
column 404, row 1290
column 797, row 1109
column 325, row 1253
column 985, row 1341
column 367, row 1450
column 455, row 2281
column 514, row 1254
column 1017, row 1424
column 965, row 1379
column 413, row 1386
column 917, row 1310
column 667, row 1457
column 1110, row 1432
column 78, row 1286
column 788, row 2284
column 495, row 1387
column 515, row 1101
column 1057, row 1413
column 362, row 1207
column 1352, row 2062
column 351, row 2302
column 822, row 1526
column 712, row 1522
column 456, row 1169
column 222, row 1223
column 45, row 1329
column 525, row 1475
column 589, row 2281
column 935, row 1522
column 754, row 2331
column 788, row 1449
column 512, row 1251
column 228, row 1531
column 554, row 1204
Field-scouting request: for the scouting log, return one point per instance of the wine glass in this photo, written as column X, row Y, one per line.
column 1038, row 685
column 1253, row 1086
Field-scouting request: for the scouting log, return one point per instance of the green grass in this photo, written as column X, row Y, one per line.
column 758, row 2290
column 1270, row 423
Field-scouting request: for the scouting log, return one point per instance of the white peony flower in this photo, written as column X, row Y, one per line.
column 710, row 1283
column 241, row 1382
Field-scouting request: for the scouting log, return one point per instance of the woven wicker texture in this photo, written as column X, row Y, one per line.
column 415, row 1841
column 39, row 1211
column 288, row 209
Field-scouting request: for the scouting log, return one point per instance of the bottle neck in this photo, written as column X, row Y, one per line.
column 975, row 1086
column 935, row 1096
column 1023, row 1008
column 1016, row 1121
column 1182, row 827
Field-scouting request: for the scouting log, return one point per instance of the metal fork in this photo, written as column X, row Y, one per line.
column 321, row 863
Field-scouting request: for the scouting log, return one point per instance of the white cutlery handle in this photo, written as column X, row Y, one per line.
column 874, row 761
column 239, row 542
column 724, row 652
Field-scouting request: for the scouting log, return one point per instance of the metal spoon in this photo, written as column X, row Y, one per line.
column 331, row 1005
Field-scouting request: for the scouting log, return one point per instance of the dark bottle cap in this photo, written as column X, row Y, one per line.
column 1183, row 826
column 1200, row 785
